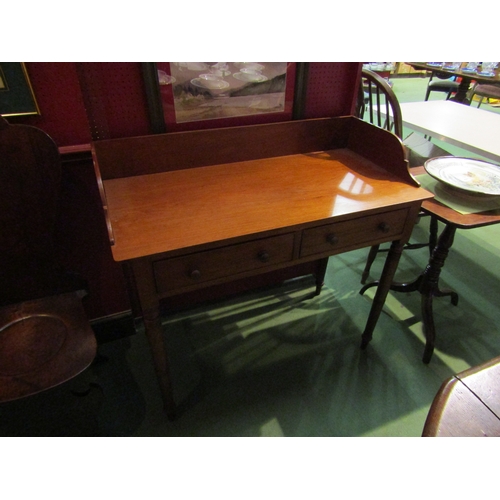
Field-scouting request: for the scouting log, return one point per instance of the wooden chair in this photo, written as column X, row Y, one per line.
column 485, row 91
column 378, row 104
column 442, row 83
column 45, row 337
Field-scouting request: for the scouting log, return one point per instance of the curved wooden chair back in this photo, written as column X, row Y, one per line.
column 30, row 178
column 45, row 337
column 381, row 106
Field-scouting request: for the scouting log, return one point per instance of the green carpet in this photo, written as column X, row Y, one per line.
column 283, row 362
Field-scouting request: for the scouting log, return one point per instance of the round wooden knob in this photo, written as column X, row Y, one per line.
column 263, row 256
column 332, row 239
column 384, row 227
column 195, row 274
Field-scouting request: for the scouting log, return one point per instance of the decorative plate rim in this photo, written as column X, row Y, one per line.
column 492, row 169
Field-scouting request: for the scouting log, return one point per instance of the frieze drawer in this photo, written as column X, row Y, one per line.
column 190, row 270
column 353, row 233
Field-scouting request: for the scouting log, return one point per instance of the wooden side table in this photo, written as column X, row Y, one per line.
column 427, row 283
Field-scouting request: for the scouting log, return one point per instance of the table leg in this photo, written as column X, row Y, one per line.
column 433, row 234
column 321, row 266
column 372, row 254
column 461, row 94
column 384, row 285
column 428, row 286
column 150, row 307
column 154, row 333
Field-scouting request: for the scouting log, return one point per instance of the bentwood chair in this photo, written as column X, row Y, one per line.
column 45, row 337
column 378, row 104
column 441, row 82
column 484, row 90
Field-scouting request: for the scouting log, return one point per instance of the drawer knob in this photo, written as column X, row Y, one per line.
column 195, row 274
column 384, row 227
column 263, row 256
column 332, row 239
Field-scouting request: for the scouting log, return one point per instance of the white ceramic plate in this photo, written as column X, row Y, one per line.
column 165, row 79
column 249, row 65
column 210, row 84
column 473, row 176
column 250, row 77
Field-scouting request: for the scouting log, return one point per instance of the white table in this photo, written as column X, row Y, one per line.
column 475, row 130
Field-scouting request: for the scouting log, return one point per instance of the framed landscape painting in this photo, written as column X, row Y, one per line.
column 188, row 95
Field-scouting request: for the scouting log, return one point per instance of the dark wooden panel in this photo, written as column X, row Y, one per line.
column 179, row 150
column 380, row 146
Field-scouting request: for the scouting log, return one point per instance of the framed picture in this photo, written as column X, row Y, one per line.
column 16, row 94
column 191, row 95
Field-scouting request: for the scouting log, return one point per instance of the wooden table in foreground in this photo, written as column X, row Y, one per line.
column 467, row 404
column 189, row 210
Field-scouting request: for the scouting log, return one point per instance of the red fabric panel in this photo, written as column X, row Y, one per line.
column 117, row 87
column 331, row 89
column 123, row 98
column 59, row 98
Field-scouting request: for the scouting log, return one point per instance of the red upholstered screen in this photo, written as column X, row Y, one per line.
column 331, row 89
column 115, row 99
column 57, row 91
column 79, row 101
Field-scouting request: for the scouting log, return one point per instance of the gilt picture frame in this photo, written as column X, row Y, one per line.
column 16, row 93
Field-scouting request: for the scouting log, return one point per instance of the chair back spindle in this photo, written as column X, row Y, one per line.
column 380, row 103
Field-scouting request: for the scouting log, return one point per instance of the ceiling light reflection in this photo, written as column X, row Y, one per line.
column 354, row 185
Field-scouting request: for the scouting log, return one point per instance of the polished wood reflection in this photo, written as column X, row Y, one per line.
column 185, row 208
